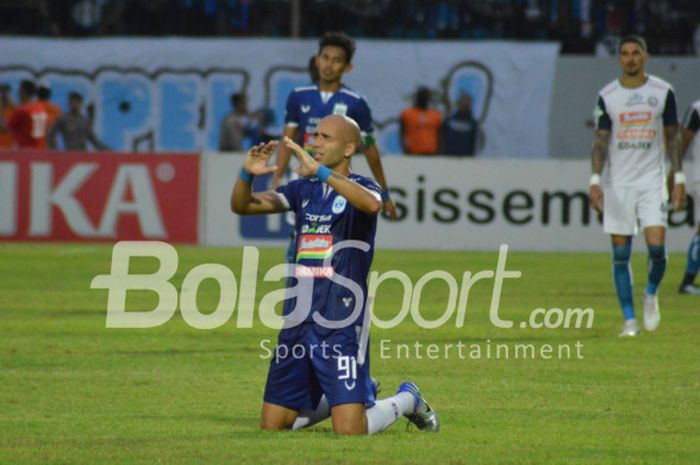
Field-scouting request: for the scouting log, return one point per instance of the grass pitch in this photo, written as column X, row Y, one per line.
column 73, row 391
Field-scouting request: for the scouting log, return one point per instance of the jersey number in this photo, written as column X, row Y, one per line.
column 347, row 367
column 39, row 125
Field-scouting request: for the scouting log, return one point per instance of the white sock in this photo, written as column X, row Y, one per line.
column 307, row 418
column 387, row 411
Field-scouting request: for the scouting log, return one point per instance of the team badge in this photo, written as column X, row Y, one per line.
column 340, row 109
column 339, row 204
column 652, row 101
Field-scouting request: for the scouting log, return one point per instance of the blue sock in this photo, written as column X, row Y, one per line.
column 623, row 278
column 657, row 267
column 693, row 264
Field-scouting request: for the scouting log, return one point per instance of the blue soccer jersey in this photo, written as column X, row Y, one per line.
column 323, row 220
column 317, row 359
column 306, row 108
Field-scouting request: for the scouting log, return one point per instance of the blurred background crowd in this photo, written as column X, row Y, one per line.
column 582, row 26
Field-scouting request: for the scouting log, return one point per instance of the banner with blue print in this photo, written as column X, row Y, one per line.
column 172, row 94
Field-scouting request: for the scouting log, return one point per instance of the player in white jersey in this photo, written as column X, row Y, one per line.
column 691, row 124
column 636, row 124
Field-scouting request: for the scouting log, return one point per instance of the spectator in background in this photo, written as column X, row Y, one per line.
column 74, row 127
column 52, row 110
column 7, row 108
column 28, row 123
column 236, row 125
column 420, row 126
column 460, row 131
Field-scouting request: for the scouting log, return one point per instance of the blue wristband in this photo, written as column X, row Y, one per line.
column 385, row 195
column 323, row 173
column 246, row 176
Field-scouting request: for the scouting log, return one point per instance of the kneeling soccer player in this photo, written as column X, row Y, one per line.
column 336, row 219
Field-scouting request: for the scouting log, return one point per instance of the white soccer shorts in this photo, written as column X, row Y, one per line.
column 626, row 208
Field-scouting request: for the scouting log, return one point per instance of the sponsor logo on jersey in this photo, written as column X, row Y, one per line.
column 305, row 108
column 637, row 134
column 634, row 145
column 339, row 204
column 303, row 271
column 314, row 246
column 635, row 118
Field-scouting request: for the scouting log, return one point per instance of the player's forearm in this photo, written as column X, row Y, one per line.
column 686, row 140
column 241, row 197
column 600, row 151
column 375, row 165
column 284, row 154
column 358, row 196
column 673, row 147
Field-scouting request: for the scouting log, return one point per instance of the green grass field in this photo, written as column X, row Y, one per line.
column 73, row 391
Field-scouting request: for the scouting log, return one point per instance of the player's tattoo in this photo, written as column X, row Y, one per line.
column 673, row 147
column 600, row 150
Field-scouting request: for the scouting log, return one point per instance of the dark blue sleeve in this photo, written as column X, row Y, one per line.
column 692, row 120
column 670, row 114
column 291, row 192
column 369, row 184
column 292, row 113
column 602, row 119
column 363, row 116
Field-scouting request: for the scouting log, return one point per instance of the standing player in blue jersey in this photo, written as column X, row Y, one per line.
column 307, row 105
column 335, row 224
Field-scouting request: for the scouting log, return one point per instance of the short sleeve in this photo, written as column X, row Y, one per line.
column 600, row 116
column 363, row 117
column 291, row 117
column 670, row 113
column 692, row 120
column 291, row 192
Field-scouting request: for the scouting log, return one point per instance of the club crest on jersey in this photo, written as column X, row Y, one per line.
column 340, row 109
column 652, row 101
column 339, row 204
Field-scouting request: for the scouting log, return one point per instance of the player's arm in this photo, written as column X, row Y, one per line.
column 363, row 117
column 284, row 154
column 375, row 165
column 358, row 196
column 672, row 138
column 603, row 126
column 243, row 200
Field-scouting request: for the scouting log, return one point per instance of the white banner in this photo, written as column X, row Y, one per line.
column 171, row 94
column 452, row 204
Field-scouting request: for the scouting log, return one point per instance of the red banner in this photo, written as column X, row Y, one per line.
column 104, row 197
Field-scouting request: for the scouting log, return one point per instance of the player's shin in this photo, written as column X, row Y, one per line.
column 386, row 412
column 657, row 267
column 693, row 263
column 623, row 278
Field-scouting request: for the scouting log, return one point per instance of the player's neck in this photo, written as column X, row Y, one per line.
column 332, row 86
column 633, row 81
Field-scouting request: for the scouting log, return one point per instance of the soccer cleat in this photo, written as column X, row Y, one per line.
column 689, row 289
column 423, row 416
column 651, row 312
column 630, row 329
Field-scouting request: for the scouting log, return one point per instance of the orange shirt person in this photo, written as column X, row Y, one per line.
column 420, row 126
column 28, row 123
column 52, row 111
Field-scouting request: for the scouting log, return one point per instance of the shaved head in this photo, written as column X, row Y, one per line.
column 347, row 129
